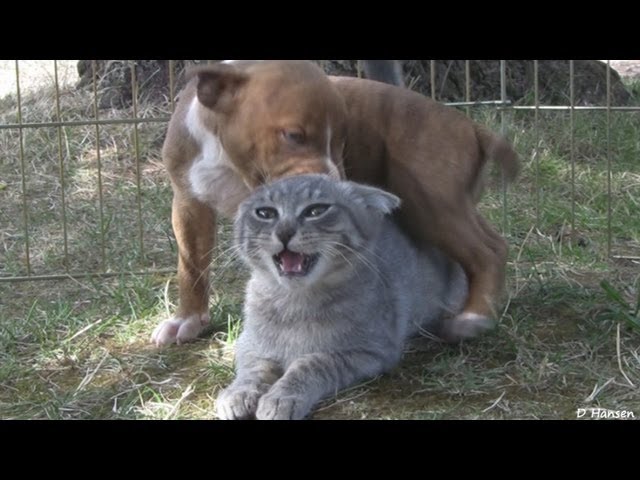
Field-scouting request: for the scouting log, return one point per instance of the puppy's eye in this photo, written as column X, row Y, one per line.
column 314, row 211
column 266, row 213
column 294, row 136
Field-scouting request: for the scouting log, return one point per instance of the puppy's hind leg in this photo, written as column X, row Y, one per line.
column 457, row 229
column 483, row 255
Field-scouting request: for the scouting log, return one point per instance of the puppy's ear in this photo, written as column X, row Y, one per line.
column 218, row 85
column 373, row 198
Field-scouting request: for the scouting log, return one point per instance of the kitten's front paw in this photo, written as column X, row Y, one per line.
column 237, row 403
column 465, row 325
column 179, row 329
column 279, row 407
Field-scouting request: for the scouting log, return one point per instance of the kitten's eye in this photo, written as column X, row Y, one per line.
column 266, row 213
column 315, row 210
column 294, row 136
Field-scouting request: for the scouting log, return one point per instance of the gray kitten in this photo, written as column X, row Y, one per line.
column 336, row 289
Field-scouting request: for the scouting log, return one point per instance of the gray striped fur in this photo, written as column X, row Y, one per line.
column 306, row 338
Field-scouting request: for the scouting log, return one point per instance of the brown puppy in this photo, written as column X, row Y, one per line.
column 242, row 124
column 433, row 158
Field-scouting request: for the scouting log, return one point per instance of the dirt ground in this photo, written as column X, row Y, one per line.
column 627, row 68
column 35, row 73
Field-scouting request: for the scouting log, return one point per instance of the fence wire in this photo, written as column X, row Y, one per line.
column 501, row 105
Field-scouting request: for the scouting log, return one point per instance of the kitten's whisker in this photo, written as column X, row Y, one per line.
column 357, row 255
column 363, row 259
column 371, row 252
column 222, row 269
column 234, row 251
column 335, row 251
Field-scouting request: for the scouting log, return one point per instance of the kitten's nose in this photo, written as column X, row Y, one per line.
column 284, row 234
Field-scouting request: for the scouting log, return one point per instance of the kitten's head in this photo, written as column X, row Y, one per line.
column 305, row 228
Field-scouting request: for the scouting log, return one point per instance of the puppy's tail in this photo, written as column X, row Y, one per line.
column 495, row 147
column 387, row 71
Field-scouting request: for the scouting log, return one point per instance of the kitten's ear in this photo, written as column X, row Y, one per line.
column 374, row 198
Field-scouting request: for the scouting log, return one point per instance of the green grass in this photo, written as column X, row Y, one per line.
column 567, row 336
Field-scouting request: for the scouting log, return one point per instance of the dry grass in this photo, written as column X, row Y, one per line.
column 97, row 202
column 79, row 348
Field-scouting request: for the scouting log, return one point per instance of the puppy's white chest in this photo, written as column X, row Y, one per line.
column 211, row 177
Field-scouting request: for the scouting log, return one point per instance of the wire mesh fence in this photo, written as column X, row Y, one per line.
column 84, row 193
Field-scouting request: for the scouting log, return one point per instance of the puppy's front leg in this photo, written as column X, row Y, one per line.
column 194, row 225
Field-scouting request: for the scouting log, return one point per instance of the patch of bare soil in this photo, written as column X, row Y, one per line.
column 627, row 68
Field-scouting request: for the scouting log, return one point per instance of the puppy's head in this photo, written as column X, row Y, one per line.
column 275, row 118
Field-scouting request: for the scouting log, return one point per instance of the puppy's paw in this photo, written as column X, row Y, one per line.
column 179, row 329
column 237, row 403
column 464, row 326
column 281, row 407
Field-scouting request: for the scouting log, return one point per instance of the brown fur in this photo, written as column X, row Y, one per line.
column 428, row 154
column 432, row 157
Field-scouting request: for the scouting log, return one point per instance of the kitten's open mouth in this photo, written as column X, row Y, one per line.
column 292, row 264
